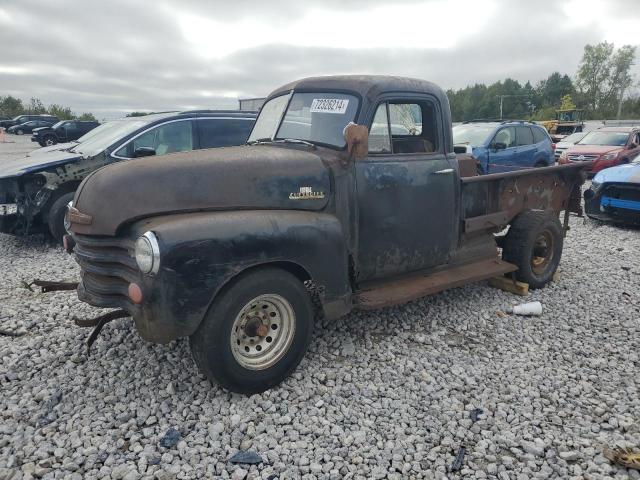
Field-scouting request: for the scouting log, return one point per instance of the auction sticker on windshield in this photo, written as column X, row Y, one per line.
column 329, row 105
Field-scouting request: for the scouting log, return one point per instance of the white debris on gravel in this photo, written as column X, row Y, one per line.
column 386, row 394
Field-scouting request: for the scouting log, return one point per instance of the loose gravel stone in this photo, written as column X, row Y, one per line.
column 384, row 394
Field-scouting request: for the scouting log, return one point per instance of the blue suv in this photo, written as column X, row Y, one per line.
column 503, row 146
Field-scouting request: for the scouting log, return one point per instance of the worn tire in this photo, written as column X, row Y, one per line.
column 211, row 344
column 532, row 236
column 56, row 216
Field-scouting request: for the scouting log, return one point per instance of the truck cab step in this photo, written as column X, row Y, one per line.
column 404, row 290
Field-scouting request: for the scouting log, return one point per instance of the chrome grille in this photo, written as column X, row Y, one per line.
column 581, row 157
column 108, row 267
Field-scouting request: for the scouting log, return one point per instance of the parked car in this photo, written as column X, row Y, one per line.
column 37, row 188
column 58, row 147
column 567, row 142
column 242, row 248
column 504, row 146
column 28, row 118
column 614, row 194
column 605, row 147
column 63, row 131
column 27, row 127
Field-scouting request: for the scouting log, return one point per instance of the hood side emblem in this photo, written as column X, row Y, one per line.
column 306, row 193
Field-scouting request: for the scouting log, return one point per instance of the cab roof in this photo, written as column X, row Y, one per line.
column 367, row 86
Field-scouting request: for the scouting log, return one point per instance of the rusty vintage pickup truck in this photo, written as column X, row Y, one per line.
column 348, row 195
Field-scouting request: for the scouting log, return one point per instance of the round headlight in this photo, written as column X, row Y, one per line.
column 148, row 253
column 67, row 222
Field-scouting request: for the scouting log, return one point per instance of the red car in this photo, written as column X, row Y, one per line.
column 605, row 147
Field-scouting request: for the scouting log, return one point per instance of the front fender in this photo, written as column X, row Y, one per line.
column 201, row 252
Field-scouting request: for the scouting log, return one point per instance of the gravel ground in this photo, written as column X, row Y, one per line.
column 16, row 146
column 388, row 394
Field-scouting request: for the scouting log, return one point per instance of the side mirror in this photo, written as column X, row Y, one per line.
column 143, row 152
column 357, row 138
column 498, row 146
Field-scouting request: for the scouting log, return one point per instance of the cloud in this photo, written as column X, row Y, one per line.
column 117, row 56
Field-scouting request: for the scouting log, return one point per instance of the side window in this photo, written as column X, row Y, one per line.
column 379, row 141
column 219, row 132
column 524, row 136
column 414, row 128
column 167, row 138
column 538, row 135
column 406, row 119
column 507, row 136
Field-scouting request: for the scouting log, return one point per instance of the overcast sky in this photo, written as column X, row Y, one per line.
column 117, row 56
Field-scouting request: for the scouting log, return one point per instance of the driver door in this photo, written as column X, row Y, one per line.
column 503, row 159
column 406, row 192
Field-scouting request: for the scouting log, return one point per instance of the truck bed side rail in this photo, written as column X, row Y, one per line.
column 490, row 202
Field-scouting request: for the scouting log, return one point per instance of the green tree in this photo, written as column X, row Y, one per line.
column 11, row 106
column 603, row 76
column 35, row 107
column 63, row 113
column 87, row 117
column 567, row 103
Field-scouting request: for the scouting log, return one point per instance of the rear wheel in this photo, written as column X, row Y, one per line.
column 534, row 244
column 256, row 332
column 57, row 213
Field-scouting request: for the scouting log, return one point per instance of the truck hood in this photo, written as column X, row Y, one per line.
column 593, row 149
column 14, row 167
column 233, row 178
column 629, row 173
column 52, row 148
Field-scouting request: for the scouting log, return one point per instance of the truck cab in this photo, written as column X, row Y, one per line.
column 348, row 195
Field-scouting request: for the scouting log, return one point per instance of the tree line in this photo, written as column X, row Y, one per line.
column 12, row 107
column 600, row 87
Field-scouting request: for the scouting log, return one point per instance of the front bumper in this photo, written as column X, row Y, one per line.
column 108, row 267
column 618, row 203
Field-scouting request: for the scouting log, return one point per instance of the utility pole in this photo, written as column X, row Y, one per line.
column 502, row 97
column 619, row 114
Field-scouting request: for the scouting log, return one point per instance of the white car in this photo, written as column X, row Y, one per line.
column 567, row 142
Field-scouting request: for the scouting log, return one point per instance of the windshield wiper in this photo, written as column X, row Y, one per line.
column 294, row 140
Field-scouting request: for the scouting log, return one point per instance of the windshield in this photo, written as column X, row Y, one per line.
column 573, row 138
column 59, row 124
column 105, row 135
column 614, row 139
column 474, row 135
column 313, row 117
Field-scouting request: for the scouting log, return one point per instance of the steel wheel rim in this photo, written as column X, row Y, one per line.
column 262, row 332
column 542, row 252
column 48, row 142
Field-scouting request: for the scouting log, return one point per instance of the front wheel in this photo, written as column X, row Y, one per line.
column 57, row 214
column 19, row 132
column 256, row 332
column 50, row 140
column 534, row 244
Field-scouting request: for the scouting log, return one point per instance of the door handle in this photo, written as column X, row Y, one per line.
column 446, row 170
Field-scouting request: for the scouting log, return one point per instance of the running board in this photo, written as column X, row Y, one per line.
column 411, row 288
